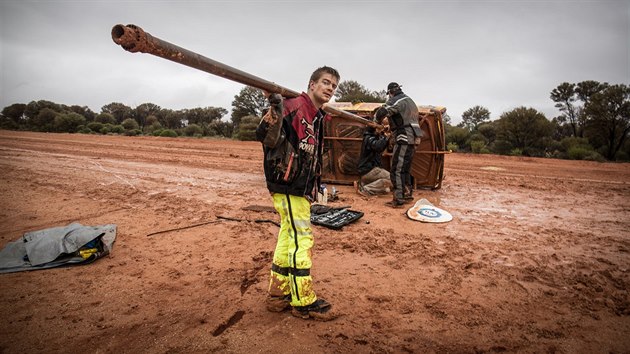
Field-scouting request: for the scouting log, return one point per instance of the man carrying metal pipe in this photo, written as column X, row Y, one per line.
column 292, row 133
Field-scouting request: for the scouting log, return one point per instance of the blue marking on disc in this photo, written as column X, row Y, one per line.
column 430, row 213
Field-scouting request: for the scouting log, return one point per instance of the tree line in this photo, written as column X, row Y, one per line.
column 593, row 124
column 115, row 118
column 593, row 121
column 151, row 119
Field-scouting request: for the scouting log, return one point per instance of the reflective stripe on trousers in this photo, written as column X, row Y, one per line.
column 401, row 165
column 291, row 268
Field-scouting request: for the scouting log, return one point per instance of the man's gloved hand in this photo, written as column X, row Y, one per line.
column 380, row 130
column 275, row 99
column 271, row 122
column 383, row 129
column 274, row 113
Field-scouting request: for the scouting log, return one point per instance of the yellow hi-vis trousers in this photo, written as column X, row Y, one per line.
column 291, row 267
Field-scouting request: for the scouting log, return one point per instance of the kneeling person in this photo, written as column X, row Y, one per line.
column 374, row 178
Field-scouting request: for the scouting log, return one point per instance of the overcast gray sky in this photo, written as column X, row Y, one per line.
column 456, row 54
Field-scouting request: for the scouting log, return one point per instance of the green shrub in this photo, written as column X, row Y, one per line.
column 594, row 156
column 68, row 122
column 150, row 129
column 168, row 133
column 130, row 124
column 502, row 147
column 106, row 129
column 247, row 128
column 476, row 146
column 578, row 152
column 557, row 154
column 584, row 153
column 133, row 132
column 571, row 141
column 193, row 130
column 44, row 120
column 157, row 132
column 552, row 146
column 105, row 118
column 219, row 128
column 457, row 135
column 452, row 147
column 95, row 126
column 516, row 152
column 8, row 123
column 118, row 129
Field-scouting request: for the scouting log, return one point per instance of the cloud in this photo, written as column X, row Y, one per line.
column 456, row 54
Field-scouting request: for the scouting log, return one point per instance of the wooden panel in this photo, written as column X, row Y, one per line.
column 342, row 146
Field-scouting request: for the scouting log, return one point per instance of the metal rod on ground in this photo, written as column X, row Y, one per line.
column 256, row 221
column 212, row 222
column 183, row 228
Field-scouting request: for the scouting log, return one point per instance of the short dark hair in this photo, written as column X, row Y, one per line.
column 379, row 114
column 317, row 74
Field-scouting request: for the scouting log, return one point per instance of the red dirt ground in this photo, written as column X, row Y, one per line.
column 536, row 258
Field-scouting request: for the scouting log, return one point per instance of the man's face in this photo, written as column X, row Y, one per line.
column 323, row 89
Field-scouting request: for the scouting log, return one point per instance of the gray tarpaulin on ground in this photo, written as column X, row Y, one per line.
column 56, row 246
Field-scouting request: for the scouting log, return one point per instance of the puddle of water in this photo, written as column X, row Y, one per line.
column 492, row 168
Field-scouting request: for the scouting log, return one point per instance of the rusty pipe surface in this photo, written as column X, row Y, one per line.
column 134, row 39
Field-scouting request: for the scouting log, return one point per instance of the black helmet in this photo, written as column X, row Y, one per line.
column 393, row 87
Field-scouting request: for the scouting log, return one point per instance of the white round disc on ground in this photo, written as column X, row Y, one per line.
column 424, row 211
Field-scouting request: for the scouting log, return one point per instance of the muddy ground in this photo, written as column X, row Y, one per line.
column 536, row 258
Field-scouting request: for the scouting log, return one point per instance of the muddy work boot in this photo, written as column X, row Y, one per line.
column 408, row 194
column 278, row 303
column 320, row 310
column 396, row 203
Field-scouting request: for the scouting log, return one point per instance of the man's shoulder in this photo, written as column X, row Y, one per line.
column 404, row 99
column 397, row 99
column 296, row 102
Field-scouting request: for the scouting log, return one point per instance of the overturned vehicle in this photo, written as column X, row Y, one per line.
column 342, row 146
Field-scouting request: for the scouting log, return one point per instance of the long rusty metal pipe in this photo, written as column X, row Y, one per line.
column 134, row 39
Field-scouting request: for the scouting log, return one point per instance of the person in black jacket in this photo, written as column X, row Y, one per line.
column 374, row 178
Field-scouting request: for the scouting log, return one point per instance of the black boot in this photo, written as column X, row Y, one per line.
column 396, row 203
column 408, row 194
